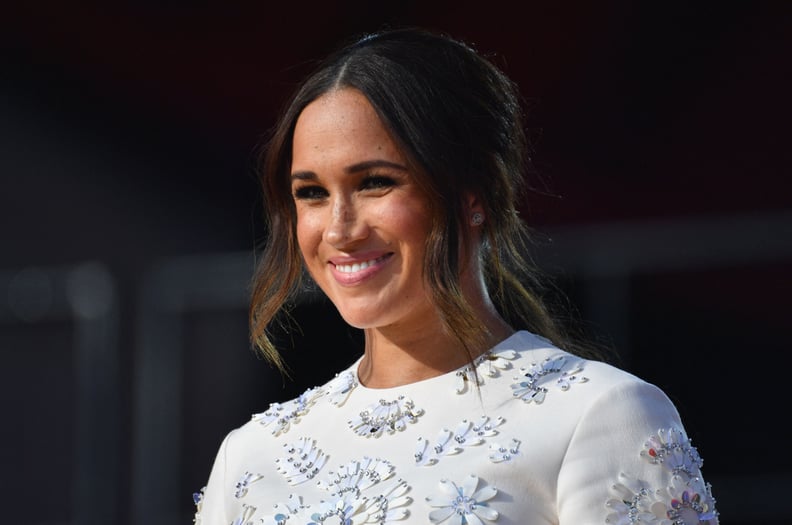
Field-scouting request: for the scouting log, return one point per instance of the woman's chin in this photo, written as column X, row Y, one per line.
column 363, row 318
column 360, row 322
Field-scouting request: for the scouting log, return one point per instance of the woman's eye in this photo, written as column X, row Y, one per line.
column 376, row 182
column 310, row 193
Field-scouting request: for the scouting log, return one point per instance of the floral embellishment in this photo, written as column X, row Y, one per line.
column 285, row 511
column 198, row 501
column 466, row 434
column 488, row 364
column 443, row 446
column 302, row 461
column 340, row 387
column 538, row 376
column 462, row 504
column 284, row 414
column 357, row 476
column 344, row 508
column 494, row 362
column 484, row 428
column 687, row 500
column 359, row 492
column 352, row 507
column 465, row 376
column 246, row 516
column 674, row 450
column 241, row 487
column 633, row 503
column 390, row 416
column 500, row 453
column 691, row 501
column 349, row 485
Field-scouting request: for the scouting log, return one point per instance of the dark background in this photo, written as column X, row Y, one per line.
column 129, row 218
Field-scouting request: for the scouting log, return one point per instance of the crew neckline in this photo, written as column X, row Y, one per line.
column 500, row 346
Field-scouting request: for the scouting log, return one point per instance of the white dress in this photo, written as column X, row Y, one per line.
column 548, row 438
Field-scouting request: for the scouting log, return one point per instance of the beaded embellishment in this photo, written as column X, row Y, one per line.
column 390, row 416
column 500, row 453
column 686, row 500
column 463, row 501
column 302, row 462
column 340, row 387
column 466, row 434
column 284, row 414
column 198, row 501
column 489, row 364
column 359, row 492
column 241, row 487
column 537, row 377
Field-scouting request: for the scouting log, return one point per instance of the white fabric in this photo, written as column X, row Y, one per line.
column 571, row 447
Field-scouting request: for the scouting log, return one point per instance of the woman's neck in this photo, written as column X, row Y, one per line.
column 398, row 356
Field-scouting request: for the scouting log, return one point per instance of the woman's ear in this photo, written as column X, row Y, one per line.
column 475, row 211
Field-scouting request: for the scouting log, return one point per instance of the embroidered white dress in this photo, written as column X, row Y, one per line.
column 548, row 439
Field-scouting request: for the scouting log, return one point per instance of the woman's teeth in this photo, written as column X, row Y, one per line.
column 356, row 267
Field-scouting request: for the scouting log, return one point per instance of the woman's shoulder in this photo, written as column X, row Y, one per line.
column 541, row 366
column 539, row 350
column 587, row 395
column 280, row 416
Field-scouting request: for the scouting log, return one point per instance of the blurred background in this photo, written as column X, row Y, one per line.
column 130, row 219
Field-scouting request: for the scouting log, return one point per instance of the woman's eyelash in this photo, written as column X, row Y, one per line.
column 309, row 192
column 377, row 181
column 370, row 182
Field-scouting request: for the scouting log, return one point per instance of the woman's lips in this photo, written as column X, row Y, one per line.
column 349, row 272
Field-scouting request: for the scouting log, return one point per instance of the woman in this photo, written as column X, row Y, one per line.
column 393, row 179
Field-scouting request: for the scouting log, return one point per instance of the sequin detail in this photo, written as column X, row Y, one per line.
column 462, row 503
column 284, row 414
column 241, row 487
column 389, row 416
column 447, row 443
column 302, row 462
column 285, row 511
column 672, row 449
column 198, row 501
column 246, row 516
column 502, row 453
column 494, row 363
column 687, row 500
column 538, row 377
column 362, row 491
column 340, row 387
column 489, row 364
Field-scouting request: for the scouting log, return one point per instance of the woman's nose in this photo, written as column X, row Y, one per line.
column 345, row 224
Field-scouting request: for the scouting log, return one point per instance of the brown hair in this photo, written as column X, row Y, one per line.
column 459, row 121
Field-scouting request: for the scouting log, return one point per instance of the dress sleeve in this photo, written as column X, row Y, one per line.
column 630, row 461
column 210, row 500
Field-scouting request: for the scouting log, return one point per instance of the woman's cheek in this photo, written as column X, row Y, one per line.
column 308, row 232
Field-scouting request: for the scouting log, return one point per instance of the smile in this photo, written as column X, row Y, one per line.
column 356, row 267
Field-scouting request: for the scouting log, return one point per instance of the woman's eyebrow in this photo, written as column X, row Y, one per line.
column 354, row 168
column 375, row 163
column 304, row 175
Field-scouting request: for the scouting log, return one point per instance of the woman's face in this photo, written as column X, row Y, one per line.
column 362, row 221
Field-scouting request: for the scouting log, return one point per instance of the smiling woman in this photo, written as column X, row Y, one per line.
column 362, row 225
column 393, row 179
